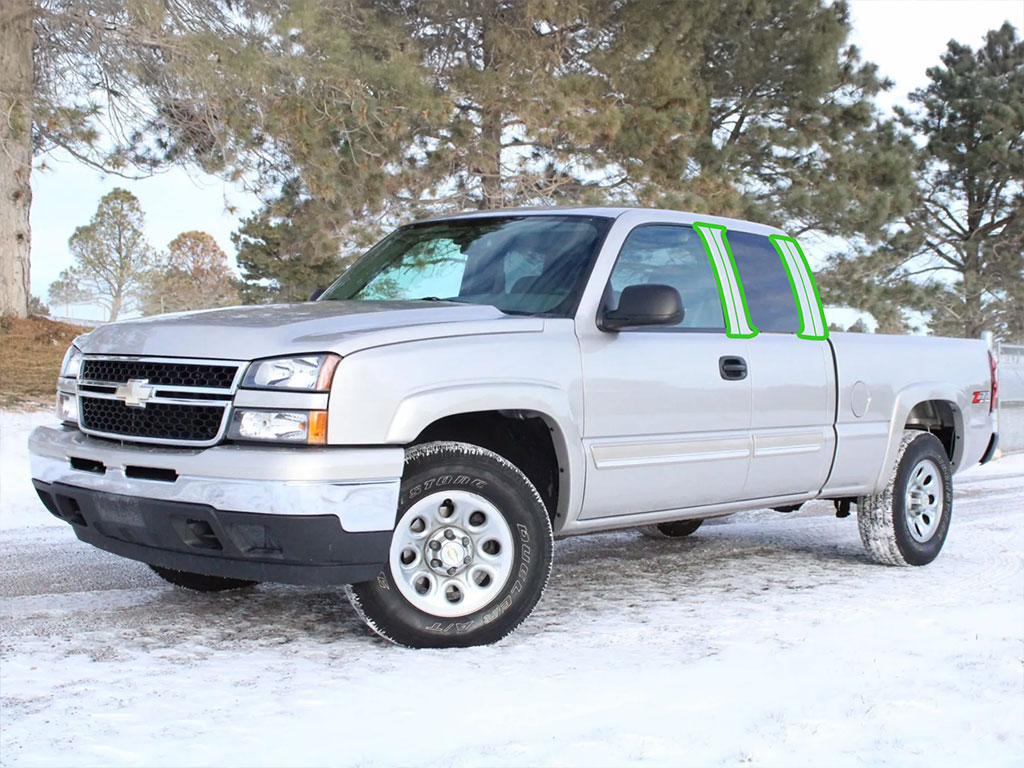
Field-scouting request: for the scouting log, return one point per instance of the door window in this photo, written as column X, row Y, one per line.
column 766, row 285
column 675, row 256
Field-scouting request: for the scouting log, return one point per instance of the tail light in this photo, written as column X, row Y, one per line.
column 995, row 382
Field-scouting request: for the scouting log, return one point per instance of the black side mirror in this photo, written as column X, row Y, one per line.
column 317, row 294
column 644, row 305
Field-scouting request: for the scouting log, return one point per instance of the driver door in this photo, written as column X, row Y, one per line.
column 667, row 422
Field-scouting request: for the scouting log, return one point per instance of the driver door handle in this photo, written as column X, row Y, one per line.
column 732, row 368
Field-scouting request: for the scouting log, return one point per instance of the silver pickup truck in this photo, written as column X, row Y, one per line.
column 476, row 385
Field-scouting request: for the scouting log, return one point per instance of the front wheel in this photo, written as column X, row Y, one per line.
column 469, row 556
column 907, row 523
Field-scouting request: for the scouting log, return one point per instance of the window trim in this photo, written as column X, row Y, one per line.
column 810, row 310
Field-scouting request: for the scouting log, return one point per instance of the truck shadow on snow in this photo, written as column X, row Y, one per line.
column 620, row 573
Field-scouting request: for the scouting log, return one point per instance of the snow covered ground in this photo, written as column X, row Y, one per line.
column 765, row 639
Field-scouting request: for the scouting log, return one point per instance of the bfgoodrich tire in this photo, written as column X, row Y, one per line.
column 907, row 523
column 470, row 554
column 198, row 582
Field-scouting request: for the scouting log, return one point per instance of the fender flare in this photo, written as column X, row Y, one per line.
column 903, row 403
column 420, row 409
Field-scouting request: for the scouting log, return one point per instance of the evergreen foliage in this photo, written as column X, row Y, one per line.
column 111, row 253
column 753, row 108
column 37, row 307
column 958, row 254
column 352, row 116
column 66, row 290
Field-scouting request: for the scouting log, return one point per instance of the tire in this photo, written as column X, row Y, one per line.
column 495, row 563
column 907, row 523
column 199, row 582
column 674, row 530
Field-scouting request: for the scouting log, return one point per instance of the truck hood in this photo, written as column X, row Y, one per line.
column 344, row 327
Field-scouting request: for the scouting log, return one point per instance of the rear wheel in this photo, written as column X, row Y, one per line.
column 907, row 523
column 673, row 530
column 199, row 582
column 469, row 556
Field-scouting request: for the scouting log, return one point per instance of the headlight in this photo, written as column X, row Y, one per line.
column 72, row 362
column 280, row 426
column 67, row 408
column 312, row 373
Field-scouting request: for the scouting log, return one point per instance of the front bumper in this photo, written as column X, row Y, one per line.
column 295, row 515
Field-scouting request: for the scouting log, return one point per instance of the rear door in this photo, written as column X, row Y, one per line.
column 792, row 378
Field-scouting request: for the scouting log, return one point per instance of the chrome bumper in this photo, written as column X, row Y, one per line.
column 358, row 485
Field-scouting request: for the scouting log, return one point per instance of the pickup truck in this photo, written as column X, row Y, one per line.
column 475, row 386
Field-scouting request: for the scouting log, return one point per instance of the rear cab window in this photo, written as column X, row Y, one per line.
column 766, row 284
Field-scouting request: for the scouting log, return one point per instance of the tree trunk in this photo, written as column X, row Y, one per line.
column 490, row 166
column 974, row 321
column 16, row 84
column 115, row 307
column 490, row 126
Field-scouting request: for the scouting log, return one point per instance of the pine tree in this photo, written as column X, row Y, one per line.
column 755, row 108
column 128, row 86
column 287, row 251
column 969, row 220
column 97, row 79
column 16, row 77
column 66, row 290
column 958, row 254
column 111, row 253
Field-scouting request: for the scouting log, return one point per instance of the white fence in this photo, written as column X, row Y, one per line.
column 1011, row 396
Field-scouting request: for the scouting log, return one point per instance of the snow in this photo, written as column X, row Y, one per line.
column 764, row 638
column 19, row 505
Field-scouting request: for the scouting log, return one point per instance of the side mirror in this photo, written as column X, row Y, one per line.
column 317, row 294
column 644, row 305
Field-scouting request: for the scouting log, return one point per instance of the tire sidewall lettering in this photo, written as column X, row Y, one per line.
column 437, row 483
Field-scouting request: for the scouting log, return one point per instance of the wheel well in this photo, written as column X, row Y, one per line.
column 935, row 416
column 522, row 437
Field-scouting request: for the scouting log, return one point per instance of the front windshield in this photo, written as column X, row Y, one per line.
column 519, row 264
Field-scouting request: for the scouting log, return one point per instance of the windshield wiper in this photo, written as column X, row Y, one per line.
column 435, row 298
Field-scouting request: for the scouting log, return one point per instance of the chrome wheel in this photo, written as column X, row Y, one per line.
column 923, row 501
column 451, row 553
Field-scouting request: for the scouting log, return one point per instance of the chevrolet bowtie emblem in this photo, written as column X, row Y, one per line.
column 134, row 392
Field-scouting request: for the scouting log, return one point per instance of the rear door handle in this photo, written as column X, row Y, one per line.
column 732, row 368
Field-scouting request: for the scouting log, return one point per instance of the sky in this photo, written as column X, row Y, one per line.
column 904, row 37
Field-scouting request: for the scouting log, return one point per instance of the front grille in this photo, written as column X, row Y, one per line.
column 167, row 374
column 162, row 421
column 174, row 400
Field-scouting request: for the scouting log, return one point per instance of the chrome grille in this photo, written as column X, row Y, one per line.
column 187, row 402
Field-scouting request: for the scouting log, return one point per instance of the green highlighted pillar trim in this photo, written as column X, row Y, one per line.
column 805, row 291
column 730, row 289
